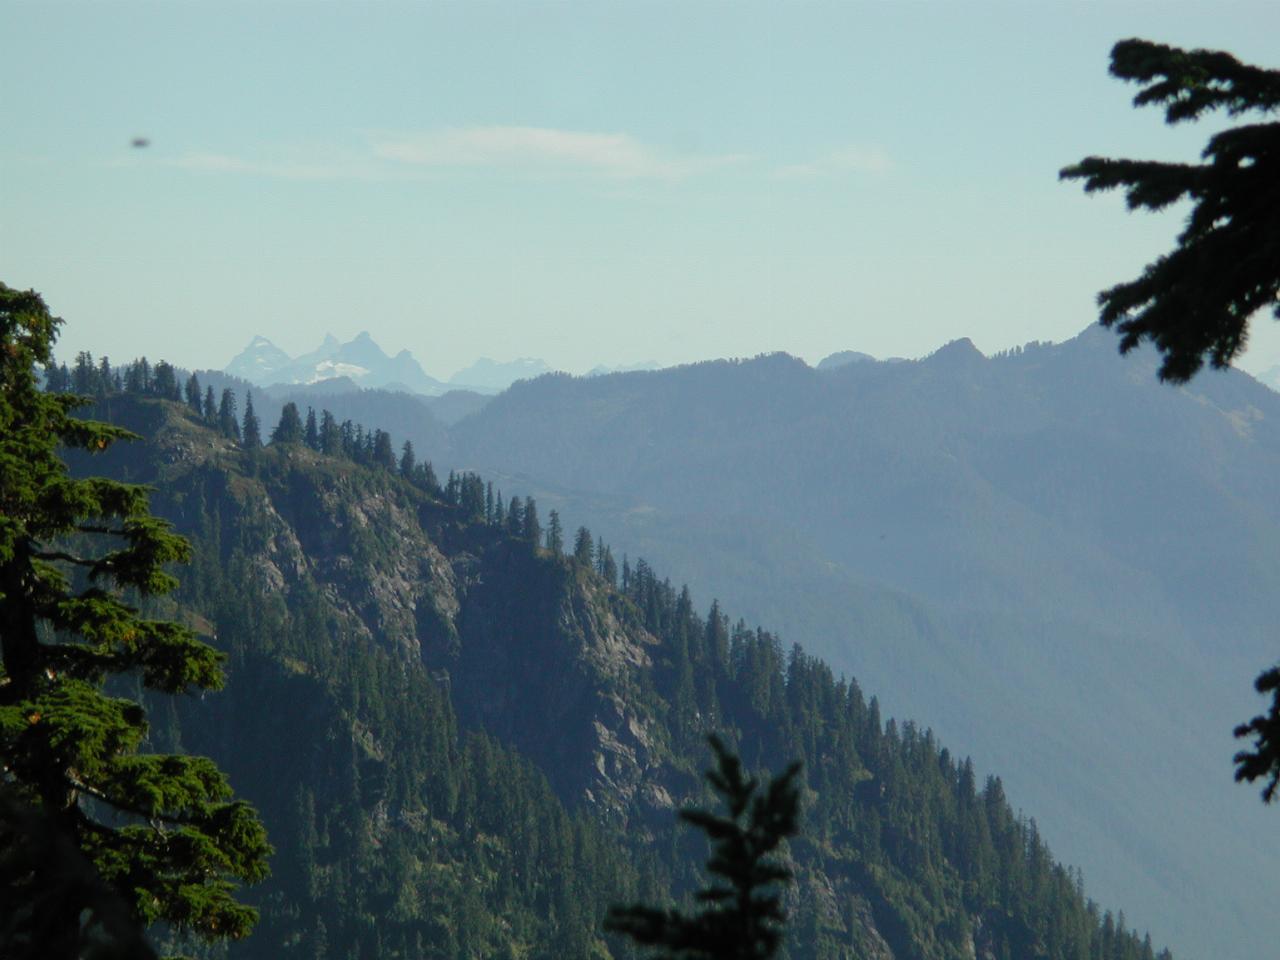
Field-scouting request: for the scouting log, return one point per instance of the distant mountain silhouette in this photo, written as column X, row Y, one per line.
column 492, row 376
column 835, row 360
column 1046, row 555
column 359, row 360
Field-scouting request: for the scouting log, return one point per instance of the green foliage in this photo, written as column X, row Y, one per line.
column 162, row 832
column 742, row 917
column 1196, row 301
column 289, row 429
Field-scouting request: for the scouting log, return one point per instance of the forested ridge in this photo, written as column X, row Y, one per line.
column 465, row 743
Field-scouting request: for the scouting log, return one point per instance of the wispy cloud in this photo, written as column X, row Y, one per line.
column 512, row 150
column 316, row 167
column 541, row 149
column 851, row 159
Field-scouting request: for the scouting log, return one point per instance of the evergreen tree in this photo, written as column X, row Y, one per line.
column 228, row 420
column 555, row 535
column 312, row 436
column 84, row 376
column 529, row 524
column 195, row 396
column 106, row 377
column 515, row 518
column 163, row 832
column 582, row 548
column 289, row 429
column 383, row 454
column 717, row 636
column 165, row 382
column 741, row 917
column 330, row 434
column 429, row 482
column 608, row 568
column 210, row 406
column 1196, row 301
column 251, row 431
column 407, row 460
column 137, row 377
column 56, row 378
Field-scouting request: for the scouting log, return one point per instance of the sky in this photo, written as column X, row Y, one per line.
column 589, row 183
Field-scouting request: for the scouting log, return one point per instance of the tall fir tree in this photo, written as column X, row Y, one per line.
column 228, row 418
column 383, row 453
column 408, row 460
column 251, row 429
column 530, row 527
column 583, row 551
column 555, row 533
column 330, row 434
column 165, row 382
column 289, row 429
column 195, row 396
column 311, row 437
column 163, row 832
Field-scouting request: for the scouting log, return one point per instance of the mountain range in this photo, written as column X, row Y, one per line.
column 361, row 364
column 1044, row 554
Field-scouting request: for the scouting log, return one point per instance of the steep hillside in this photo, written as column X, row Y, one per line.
column 1045, row 555
column 465, row 745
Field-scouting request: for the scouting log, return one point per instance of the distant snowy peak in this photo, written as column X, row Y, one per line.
column 492, row 376
column 360, row 361
column 260, row 362
column 333, row 369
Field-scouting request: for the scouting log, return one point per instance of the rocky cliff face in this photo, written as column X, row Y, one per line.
column 550, row 662
column 534, row 650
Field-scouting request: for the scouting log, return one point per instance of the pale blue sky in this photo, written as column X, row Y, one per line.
column 587, row 183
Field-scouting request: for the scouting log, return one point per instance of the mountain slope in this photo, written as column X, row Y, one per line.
column 464, row 745
column 1046, row 555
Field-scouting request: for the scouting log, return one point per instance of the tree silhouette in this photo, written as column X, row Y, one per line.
column 741, row 917
column 1197, row 300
